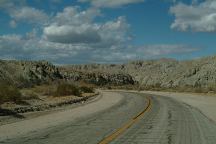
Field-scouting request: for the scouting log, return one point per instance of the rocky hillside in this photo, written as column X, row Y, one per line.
column 164, row 73
column 99, row 78
column 27, row 73
column 167, row 73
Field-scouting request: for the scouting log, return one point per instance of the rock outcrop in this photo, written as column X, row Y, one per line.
column 167, row 73
column 27, row 73
column 97, row 77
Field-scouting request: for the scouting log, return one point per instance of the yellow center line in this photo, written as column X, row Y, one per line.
column 122, row 129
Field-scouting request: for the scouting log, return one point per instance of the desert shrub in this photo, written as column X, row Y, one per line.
column 9, row 93
column 86, row 89
column 66, row 90
column 109, row 87
column 28, row 95
column 211, row 87
column 46, row 90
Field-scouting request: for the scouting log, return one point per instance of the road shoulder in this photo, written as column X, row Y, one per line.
column 39, row 123
column 205, row 104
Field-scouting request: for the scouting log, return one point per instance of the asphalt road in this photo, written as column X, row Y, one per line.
column 167, row 121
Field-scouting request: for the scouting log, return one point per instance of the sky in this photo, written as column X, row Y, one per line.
column 106, row 31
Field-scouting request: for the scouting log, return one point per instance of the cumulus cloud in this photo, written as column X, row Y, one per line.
column 20, row 47
column 75, row 16
column 29, row 14
column 75, row 36
column 18, row 10
column 74, row 26
column 72, row 34
column 111, row 3
column 199, row 17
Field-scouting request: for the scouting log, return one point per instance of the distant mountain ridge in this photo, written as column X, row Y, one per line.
column 166, row 73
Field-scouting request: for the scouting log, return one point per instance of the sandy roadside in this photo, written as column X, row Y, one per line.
column 39, row 123
column 206, row 104
column 51, row 105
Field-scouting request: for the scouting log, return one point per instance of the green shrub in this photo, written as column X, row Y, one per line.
column 86, row 89
column 66, row 90
column 9, row 93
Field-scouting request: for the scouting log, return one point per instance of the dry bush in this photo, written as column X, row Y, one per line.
column 9, row 93
column 66, row 89
column 29, row 94
column 86, row 89
column 46, row 90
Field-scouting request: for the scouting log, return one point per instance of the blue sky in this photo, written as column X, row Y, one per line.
column 106, row 31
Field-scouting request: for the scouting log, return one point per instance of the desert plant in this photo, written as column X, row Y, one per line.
column 9, row 93
column 29, row 95
column 66, row 89
column 86, row 89
column 46, row 90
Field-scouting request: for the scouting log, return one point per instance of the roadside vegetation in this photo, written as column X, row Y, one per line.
column 86, row 89
column 9, row 93
column 66, row 89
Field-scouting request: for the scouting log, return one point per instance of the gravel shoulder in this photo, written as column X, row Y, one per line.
column 24, row 127
column 205, row 103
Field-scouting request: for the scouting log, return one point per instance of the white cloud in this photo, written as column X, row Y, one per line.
column 76, row 27
column 199, row 17
column 19, row 47
column 72, row 34
column 74, row 16
column 29, row 14
column 111, row 3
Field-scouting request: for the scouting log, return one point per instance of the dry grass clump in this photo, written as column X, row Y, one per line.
column 45, row 89
column 9, row 93
column 61, row 88
column 67, row 89
column 29, row 95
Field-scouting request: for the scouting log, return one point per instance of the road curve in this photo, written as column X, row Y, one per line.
column 170, row 122
column 167, row 121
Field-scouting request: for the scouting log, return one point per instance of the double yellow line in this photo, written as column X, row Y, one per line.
column 122, row 129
